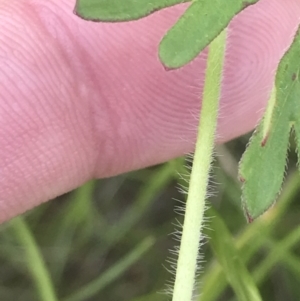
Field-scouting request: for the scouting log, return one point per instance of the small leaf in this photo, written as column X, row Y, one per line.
column 263, row 164
column 120, row 10
column 199, row 25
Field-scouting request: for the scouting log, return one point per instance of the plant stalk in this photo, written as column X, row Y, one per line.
column 195, row 204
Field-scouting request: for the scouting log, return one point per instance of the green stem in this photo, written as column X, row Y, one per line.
column 195, row 205
column 34, row 260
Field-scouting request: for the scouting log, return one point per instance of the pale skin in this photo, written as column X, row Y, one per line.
column 82, row 100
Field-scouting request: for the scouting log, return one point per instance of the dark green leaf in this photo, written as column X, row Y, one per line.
column 263, row 164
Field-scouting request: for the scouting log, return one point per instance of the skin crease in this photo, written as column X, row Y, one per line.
column 80, row 100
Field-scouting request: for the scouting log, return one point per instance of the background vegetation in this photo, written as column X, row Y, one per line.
column 110, row 239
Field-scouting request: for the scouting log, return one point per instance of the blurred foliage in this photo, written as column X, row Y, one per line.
column 110, row 239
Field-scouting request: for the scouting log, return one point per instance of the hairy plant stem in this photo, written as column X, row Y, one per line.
column 195, row 205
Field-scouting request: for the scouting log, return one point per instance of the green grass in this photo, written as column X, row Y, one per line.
column 110, row 239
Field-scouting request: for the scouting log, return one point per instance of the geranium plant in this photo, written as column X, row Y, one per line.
column 262, row 167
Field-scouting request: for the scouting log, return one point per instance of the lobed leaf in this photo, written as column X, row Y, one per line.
column 120, row 10
column 263, row 164
column 199, row 25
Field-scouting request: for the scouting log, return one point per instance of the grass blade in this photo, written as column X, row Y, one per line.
column 113, row 273
column 228, row 256
column 34, row 259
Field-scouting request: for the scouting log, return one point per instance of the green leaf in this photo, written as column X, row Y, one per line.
column 199, row 25
column 228, row 256
column 263, row 164
column 120, row 10
column 202, row 22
